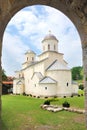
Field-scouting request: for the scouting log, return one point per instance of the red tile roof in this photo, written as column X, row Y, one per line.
column 7, row 82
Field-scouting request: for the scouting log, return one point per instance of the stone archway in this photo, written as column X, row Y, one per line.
column 74, row 9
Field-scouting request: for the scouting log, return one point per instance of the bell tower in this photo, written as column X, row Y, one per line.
column 50, row 43
column 29, row 58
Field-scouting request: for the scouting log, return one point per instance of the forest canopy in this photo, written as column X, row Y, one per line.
column 77, row 73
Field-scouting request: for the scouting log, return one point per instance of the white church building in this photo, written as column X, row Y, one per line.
column 48, row 76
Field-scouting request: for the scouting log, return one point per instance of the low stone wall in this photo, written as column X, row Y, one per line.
column 55, row 108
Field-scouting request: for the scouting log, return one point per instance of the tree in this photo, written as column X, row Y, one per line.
column 77, row 73
column 4, row 77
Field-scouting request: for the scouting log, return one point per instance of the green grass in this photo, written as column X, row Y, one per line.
column 77, row 102
column 79, row 81
column 24, row 113
column 80, row 92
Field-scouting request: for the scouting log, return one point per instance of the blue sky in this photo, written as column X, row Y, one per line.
column 27, row 29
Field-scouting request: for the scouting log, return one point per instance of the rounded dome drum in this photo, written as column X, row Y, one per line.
column 49, row 37
column 50, row 43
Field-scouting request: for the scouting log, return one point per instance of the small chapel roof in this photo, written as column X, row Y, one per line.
column 38, row 74
column 19, row 82
column 57, row 65
column 48, row 80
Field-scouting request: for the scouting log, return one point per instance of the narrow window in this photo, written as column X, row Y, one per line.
column 54, row 47
column 67, row 84
column 27, row 58
column 45, row 88
column 48, row 47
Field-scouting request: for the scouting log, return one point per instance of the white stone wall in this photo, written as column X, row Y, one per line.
column 48, row 90
column 27, row 76
column 43, row 56
column 51, row 55
column 75, row 88
column 14, row 86
column 29, row 82
column 64, row 81
column 20, row 89
column 40, row 67
column 34, row 85
column 24, row 65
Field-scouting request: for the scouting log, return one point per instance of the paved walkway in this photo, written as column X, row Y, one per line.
column 55, row 108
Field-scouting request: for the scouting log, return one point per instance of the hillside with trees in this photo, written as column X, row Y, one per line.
column 77, row 73
column 4, row 76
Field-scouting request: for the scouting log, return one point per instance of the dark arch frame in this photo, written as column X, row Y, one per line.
column 75, row 10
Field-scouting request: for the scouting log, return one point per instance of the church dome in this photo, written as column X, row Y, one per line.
column 30, row 51
column 49, row 37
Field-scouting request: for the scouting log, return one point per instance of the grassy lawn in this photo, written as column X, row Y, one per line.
column 75, row 102
column 24, row 113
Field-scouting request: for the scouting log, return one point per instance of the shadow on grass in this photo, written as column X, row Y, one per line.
column 2, row 125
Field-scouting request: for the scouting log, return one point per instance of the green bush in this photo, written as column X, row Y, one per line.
column 66, row 104
column 24, row 93
column 81, row 86
column 81, row 92
column 64, row 96
column 47, row 102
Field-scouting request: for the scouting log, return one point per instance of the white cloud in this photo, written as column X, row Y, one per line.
column 30, row 26
column 12, row 52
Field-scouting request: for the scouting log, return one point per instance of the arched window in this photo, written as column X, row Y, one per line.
column 67, row 84
column 45, row 88
column 48, row 47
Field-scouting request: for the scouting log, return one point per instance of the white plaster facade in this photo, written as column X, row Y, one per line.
column 48, row 76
